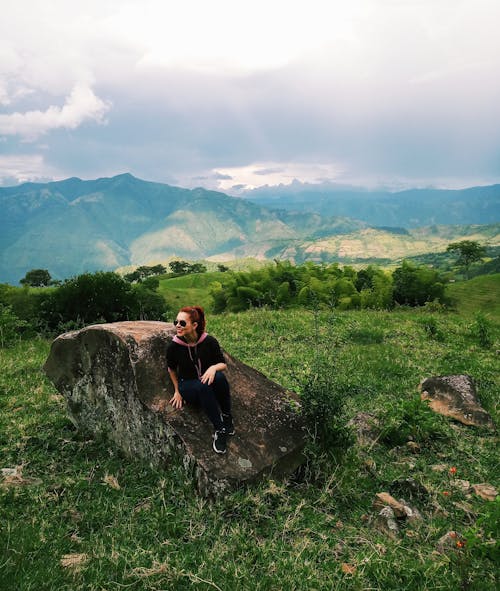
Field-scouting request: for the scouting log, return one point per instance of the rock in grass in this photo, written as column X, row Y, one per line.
column 115, row 380
column 385, row 499
column 386, row 522
column 455, row 396
column 486, row 491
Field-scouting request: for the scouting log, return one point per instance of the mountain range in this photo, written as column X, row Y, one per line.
column 410, row 208
column 75, row 225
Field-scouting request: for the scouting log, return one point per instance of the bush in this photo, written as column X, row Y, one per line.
column 11, row 327
column 430, row 326
column 323, row 402
column 482, row 330
column 91, row 298
column 414, row 286
column 412, row 420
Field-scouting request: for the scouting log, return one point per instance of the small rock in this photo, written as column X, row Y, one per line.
column 409, row 489
column 439, row 467
column 411, row 513
column 485, row 491
column 463, row 485
column 367, row 428
column 455, row 396
column 384, row 499
column 386, row 522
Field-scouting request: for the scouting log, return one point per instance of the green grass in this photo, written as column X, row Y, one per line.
column 479, row 294
column 154, row 533
column 188, row 290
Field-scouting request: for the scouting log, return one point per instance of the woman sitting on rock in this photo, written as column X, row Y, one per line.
column 195, row 365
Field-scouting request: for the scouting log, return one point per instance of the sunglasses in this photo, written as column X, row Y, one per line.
column 181, row 322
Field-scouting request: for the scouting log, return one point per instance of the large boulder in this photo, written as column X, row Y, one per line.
column 455, row 396
column 115, row 380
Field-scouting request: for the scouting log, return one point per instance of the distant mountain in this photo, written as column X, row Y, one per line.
column 409, row 209
column 73, row 226
column 384, row 246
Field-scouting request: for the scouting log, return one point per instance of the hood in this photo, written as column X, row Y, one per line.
column 179, row 341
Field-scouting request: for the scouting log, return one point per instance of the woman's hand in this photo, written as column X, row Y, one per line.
column 209, row 376
column 177, row 401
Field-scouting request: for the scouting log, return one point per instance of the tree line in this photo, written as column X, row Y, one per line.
column 285, row 285
column 108, row 297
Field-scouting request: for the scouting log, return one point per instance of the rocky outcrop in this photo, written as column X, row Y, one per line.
column 114, row 378
column 455, row 396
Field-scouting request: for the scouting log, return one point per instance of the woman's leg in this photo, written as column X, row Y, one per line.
column 194, row 392
column 220, row 386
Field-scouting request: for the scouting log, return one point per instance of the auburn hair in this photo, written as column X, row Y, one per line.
column 196, row 314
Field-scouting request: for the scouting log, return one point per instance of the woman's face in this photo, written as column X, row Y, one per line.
column 189, row 330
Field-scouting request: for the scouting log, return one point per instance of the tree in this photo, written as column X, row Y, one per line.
column 469, row 251
column 90, row 298
column 179, row 267
column 414, row 286
column 37, row 278
column 197, row 268
column 143, row 272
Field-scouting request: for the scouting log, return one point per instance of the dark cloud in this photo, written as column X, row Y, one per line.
column 266, row 171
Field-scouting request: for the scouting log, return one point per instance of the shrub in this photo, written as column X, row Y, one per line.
column 482, row 331
column 90, row 298
column 412, row 420
column 10, row 326
column 430, row 326
column 323, row 402
column 414, row 286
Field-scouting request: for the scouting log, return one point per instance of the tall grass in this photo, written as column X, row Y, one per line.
column 82, row 517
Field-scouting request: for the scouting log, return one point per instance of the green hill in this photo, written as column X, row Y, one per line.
column 481, row 294
column 73, row 226
column 189, row 290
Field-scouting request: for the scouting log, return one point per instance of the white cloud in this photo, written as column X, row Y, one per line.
column 22, row 168
column 81, row 105
column 273, row 173
column 386, row 88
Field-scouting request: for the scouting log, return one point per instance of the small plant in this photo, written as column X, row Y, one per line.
column 431, row 328
column 323, row 403
column 412, row 420
column 482, row 330
column 10, row 326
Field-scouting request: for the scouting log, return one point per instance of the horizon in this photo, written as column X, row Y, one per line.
column 248, row 190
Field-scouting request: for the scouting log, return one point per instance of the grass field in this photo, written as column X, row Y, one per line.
column 79, row 516
column 479, row 294
column 189, row 290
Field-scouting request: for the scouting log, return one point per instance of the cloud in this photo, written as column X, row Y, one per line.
column 81, row 105
column 371, row 89
column 250, row 176
column 219, row 176
column 268, row 171
column 23, row 168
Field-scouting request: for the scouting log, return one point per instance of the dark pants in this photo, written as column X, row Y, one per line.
column 213, row 399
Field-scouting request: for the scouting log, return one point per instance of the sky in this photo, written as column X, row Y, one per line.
column 233, row 94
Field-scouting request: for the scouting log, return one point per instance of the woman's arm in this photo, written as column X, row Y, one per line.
column 176, row 401
column 209, row 376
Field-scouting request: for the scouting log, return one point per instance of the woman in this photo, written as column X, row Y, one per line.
column 195, row 365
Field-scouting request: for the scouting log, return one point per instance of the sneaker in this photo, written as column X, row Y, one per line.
column 219, row 444
column 228, row 424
